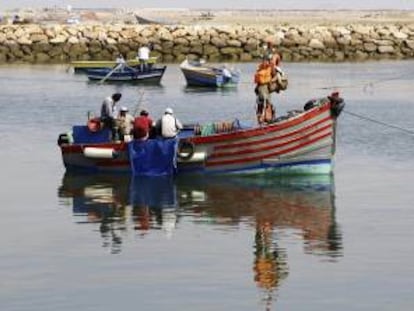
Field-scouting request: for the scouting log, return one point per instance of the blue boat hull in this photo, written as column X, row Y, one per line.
column 199, row 75
column 127, row 75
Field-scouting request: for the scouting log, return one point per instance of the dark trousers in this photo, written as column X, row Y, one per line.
column 110, row 123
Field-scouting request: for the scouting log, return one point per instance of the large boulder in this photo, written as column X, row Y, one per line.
column 42, row 57
column 383, row 49
column 316, row 44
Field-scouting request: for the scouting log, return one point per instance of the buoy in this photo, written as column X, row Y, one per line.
column 99, row 153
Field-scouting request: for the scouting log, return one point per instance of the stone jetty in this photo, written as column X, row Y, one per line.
column 34, row 43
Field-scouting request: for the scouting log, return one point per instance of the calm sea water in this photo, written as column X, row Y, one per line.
column 111, row 242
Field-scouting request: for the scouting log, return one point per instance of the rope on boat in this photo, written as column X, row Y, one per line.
column 139, row 103
column 408, row 131
column 366, row 86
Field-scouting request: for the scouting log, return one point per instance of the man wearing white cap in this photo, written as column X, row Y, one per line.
column 170, row 125
column 125, row 122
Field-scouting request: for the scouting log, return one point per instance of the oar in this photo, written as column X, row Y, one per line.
column 68, row 68
column 110, row 73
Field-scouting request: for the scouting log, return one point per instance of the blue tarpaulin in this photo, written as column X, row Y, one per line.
column 153, row 157
column 155, row 192
column 82, row 135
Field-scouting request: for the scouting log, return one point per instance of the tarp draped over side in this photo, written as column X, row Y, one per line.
column 154, row 157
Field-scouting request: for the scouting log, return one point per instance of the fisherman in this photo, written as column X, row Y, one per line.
column 125, row 123
column 143, row 126
column 169, row 126
column 262, row 78
column 143, row 57
column 269, row 78
column 109, row 112
column 271, row 54
column 120, row 62
column 279, row 80
column 226, row 73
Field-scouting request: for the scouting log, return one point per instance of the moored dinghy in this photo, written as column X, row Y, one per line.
column 127, row 74
column 81, row 66
column 198, row 73
column 301, row 143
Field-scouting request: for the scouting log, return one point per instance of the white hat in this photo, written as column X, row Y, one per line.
column 169, row 110
column 123, row 108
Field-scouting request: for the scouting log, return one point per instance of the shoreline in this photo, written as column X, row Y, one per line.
column 61, row 36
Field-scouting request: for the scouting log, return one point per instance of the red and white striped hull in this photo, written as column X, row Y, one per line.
column 303, row 144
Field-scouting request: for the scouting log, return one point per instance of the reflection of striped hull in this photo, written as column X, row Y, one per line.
column 301, row 144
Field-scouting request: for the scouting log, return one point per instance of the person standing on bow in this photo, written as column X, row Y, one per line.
column 262, row 78
column 109, row 112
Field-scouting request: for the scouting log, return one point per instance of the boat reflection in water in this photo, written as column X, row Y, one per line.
column 114, row 200
column 275, row 209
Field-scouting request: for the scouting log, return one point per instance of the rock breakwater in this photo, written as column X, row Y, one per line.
column 63, row 43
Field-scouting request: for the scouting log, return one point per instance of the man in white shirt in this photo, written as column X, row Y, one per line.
column 143, row 57
column 120, row 62
column 170, row 125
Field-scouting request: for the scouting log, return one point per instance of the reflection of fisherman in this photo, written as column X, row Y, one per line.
column 143, row 218
column 169, row 220
column 270, row 263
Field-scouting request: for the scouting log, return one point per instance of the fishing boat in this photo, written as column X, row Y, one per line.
column 302, row 142
column 198, row 73
column 127, row 74
column 80, row 66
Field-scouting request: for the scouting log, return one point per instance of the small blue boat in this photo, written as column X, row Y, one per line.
column 127, row 74
column 197, row 73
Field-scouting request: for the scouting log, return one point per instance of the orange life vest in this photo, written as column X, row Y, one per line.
column 263, row 74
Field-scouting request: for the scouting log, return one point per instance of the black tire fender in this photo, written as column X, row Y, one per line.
column 63, row 139
column 185, row 149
